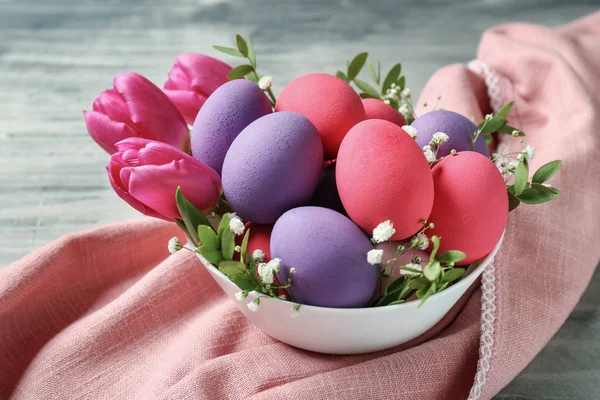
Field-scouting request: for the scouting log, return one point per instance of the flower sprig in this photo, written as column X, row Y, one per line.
column 246, row 270
column 437, row 275
column 245, row 50
column 496, row 123
column 391, row 90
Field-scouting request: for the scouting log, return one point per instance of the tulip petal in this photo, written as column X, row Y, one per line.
column 105, row 131
column 110, row 103
column 178, row 80
column 155, row 186
column 187, row 102
column 136, row 143
column 151, row 111
column 205, row 73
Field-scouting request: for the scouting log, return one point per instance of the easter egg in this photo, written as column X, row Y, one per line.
column 272, row 166
column 470, row 208
column 260, row 239
column 231, row 108
column 460, row 131
column 326, row 194
column 328, row 102
column 329, row 253
column 382, row 175
column 377, row 109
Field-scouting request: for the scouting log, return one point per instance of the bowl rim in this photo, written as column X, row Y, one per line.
column 460, row 284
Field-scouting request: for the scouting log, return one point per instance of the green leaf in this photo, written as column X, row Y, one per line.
column 341, row 75
column 391, row 77
column 372, row 71
column 521, row 178
column 229, row 51
column 396, row 285
column 191, row 216
column 241, row 45
column 396, row 302
column 240, row 278
column 365, row 87
column 508, row 130
column 252, row 78
column 208, row 238
column 451, row 256
column 378, row 72
column 436, row 245
column 418, row 283
column 213, row 256
column 232, row 267
column 492, row 125
column 538, row 194
column 513, row 202
column 488, row 139
column 546, row 171
column 251, row 265
column 356, row 65
column 452, row 274
column 505, row 110
column 387, row 299
column 244, row 244
column 401, row 82
column 433, row 270
column 240, row 71
column 227, row 244
column 182, row 226
column 426, row 295
column 223, row 226
column 251, row 53
column 365, row 95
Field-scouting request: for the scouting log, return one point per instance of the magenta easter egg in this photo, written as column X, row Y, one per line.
column 329, row 253
column 460, row 131
column 231, row 108
column 470, row 210
column 328, row 102
column 377, row 109
column 272, row 166
column 382, row 175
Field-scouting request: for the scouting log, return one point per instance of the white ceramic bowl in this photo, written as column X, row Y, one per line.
column 348, row 330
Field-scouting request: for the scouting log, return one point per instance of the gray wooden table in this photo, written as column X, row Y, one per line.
column 55, row 57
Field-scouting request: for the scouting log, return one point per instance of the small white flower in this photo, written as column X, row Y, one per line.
column 292, row 271
column 236, row 226
column 512, row 166
column 406, row 93
column 546, row 184
column 174, row 245
column 266, row 273
column 383, row 232
column 489, row 117
column 520, row 157
column 375, row 256
column 258, row 255
column 394, row 91
column 439, row 138
column 237, row 249
column 529, row 152
column 411, row 130
column 413, row 266
column 265, row 82
column 420, row 241
column 241, row 295
column 429, row 154
column 386, row 101
column 274, row 264
column 253, row 305
column 515, row 132
column 404, row 110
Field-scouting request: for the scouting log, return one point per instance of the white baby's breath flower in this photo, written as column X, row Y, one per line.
column 274, row 265
column 411, row 130
column 265, row 82
column 383, row 232
column 237, row 249
column 529, row 152
column 520, row 157
column 429, row 154
column 282, row 297
column 405, row 93
column 546, row 184
column 258, row 254
column 404, row 110
column 439, row 138
column 236, row 226
column 266, row 273
column 420, row 241
column 413, row 266
column 489, row 117
column 174, row 245
column 241, row 295
column 386, row 101
column 253, row 305
column 375, row 256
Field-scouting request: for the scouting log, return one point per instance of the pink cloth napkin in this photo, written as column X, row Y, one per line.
column 106, row 314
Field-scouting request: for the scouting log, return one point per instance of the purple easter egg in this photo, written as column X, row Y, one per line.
column 326, row 194
column 231, row 108
column 272, row 166
column 460, row 131
column 329, row 253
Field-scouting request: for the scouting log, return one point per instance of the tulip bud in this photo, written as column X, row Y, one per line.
column 192, row 79
column 135, row 107
column 146, row 175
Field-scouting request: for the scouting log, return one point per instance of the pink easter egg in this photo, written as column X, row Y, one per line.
column 328, row 102
column 381, row 175
column 377, row 109
column 470, row 208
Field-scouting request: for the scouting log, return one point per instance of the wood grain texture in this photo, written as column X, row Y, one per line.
column 56, row 57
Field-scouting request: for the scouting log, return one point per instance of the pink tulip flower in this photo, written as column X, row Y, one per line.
column 135, row 107
column 146, row 174
column 192, row 79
